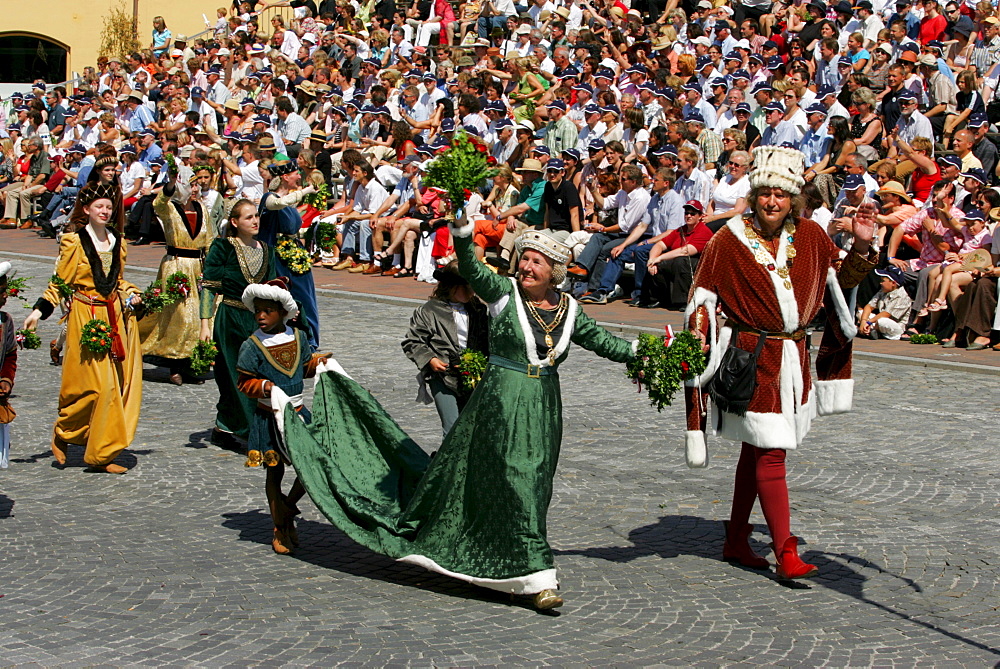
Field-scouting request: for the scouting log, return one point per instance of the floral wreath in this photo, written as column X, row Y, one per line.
column 663, row 363
column 296, row 258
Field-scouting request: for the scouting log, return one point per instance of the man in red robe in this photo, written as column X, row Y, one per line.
column 769, row 272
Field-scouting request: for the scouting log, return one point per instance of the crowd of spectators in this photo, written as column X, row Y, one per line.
column 625, row 130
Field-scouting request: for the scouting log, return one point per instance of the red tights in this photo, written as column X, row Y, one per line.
column 761, row 473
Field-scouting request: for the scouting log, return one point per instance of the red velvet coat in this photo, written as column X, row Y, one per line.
column 786, row 398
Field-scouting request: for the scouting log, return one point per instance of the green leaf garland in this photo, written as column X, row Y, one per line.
column 471, row 367
column 95, row 336
column 27, row 339
column 923, row 339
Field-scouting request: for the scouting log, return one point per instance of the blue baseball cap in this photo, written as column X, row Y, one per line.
column 817, row 108
column 691, row 86
column 720, row 81
column 555, row 164
column 702, row 61
column 976, row 173
column 892, row 273
column 774, row 62
column 952, row 160
column 570, row 153
column 741, row 74
column 732, row 55
column 447, row 125
column 604, row 73
column 824, row 91
column 774, row 105
column 853, row 182
column 694, row 116
column 542, row 149
column 596, row 144
column 504, row 123
column 556, row 104
column 587, row 87
column 742, row 107
column 978, row 120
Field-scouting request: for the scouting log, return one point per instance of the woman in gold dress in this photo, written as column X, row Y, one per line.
column 171, row 335
column 101, row 392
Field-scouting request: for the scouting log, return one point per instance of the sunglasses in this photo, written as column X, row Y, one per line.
column 732, row 164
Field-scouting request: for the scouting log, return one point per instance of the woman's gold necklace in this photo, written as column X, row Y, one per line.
column 548, row 328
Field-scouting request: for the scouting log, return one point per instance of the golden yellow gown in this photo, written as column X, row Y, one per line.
column 173, row 333
column 99, row 398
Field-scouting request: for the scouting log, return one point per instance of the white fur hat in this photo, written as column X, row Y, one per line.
column 275, row 290
column 778, row 167
column 545, row 244
column 4, row 269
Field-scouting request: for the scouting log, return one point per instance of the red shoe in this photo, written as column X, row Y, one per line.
column 737, row 547
column 790, row 565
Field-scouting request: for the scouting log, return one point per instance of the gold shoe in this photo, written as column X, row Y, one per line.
column 271, row 458
column 359, row 268
column 254, row 459
column 547, row 599
column 343, row 264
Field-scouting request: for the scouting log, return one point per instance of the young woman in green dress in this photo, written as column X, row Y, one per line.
column 477, row 511
column 233, row 262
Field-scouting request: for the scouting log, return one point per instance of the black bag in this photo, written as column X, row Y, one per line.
column 734, row 383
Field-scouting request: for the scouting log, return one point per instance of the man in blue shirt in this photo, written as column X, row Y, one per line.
column 141, row 116
column 778, row 130
column 816, row 142
column 149, row 150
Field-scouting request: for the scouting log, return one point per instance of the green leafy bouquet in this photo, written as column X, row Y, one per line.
column 326, row 237
column 156, row 297
column 663, row 363
column 178, row 286
column 923, row 339
column 471, row 367
column 203, row 357
column 460, row 168
column 27, row 339
column 319, row 198
column 295, row 257
column 95, row 336
column 64, row 289
column 16, row 288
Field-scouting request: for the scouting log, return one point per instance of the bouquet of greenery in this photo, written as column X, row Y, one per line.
column 16, row 288
column 923, row 339
column 295, row 257
column 203, row 357
column 27, row 339
column 178, row 286
column 155, row 297
column 171, row 162
column 64, row 289
column 461, row 168
column 96, row 336
column 471, row 366
column 326, row 237
column 319, row 198
column 663, row 363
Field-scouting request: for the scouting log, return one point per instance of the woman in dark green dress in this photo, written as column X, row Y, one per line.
column 477, row 511
column 233, row 262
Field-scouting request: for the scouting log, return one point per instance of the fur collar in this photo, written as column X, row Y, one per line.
column 105, row 284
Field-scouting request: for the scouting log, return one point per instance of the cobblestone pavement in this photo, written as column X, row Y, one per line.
column 170, row 564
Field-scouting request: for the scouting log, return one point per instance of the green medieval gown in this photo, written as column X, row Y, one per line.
column 477, row 511
column 229, row 268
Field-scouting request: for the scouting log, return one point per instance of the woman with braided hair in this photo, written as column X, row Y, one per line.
column 101, row 389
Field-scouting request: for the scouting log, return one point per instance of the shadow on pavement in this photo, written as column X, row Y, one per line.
column 325, row 546
column 673, row 536
column 6, row 506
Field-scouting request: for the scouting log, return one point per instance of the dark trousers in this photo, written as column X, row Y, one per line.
column 975, row 309
column 672, row 282
column 596, row 253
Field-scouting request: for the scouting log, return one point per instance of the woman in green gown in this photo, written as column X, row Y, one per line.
column 477, row 511
column 233, row 262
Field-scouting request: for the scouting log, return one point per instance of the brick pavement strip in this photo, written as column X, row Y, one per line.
column 170, row 564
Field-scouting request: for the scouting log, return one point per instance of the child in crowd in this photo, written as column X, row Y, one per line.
column 8, row 367
column 275, row 355
column 885, row 315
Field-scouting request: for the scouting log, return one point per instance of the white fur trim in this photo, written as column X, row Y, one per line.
column 834, row 396
column 844, row 315
column 279, row 400
column 696, row 449
column 462, row 230
column 529, row 336
column 4, row 268
column 717, row 342
column 330, row 365
column 529, row 584
column 635, row 346
column 786, row 296
column 265, row 291
column 779, row 167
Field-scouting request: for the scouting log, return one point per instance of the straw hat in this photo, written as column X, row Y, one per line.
column 894, row 188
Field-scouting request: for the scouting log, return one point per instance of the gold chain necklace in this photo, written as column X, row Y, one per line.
column 762, row 256
column 550, row 327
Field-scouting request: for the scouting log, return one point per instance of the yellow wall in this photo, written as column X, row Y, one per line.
column 77, row 23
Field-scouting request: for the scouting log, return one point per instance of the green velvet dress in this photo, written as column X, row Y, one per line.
column 229, row 268
column 477, row 511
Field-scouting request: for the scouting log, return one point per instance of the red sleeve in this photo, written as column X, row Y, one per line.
column 250, row 386
column 9, row 368
column 672, row 239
